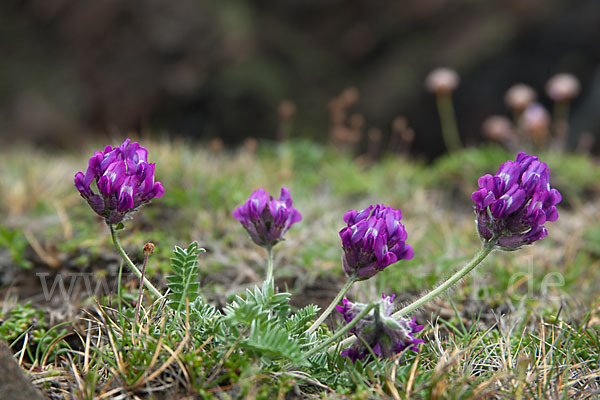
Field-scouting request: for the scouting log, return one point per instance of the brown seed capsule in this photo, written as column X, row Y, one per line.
column 148, row 249
column 563, row 87
column 442, row 81
column 518, row 97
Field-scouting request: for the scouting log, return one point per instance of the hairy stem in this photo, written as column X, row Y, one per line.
column 331, row 306
column 485, row 250
column 342, row 331
column 135, row 270
column 269, row 263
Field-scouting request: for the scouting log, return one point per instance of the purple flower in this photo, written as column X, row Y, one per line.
column 373, row 239
column 514, row 204
column 123, row 179
column 385, row 335
column 266, row 219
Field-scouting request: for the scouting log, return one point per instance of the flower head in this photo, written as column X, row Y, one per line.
column 498, row 128
column 535, row 120
column 519, row 96
column 385, row 335
column 123, row 179
column 266, row 219
column 514, row 205
column 563, row 87
column 373, row 239
column 442, row 81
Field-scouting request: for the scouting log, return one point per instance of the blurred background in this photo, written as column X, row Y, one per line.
column 72, row 70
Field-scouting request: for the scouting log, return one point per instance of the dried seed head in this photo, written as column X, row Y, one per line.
column 535, row 120
column 286, row 110
column 518, row 97
column 563, row 87
column 442, row 81
column 399, row 124
column 497, row 128
column 148, row 249
column 357, row 122
column 350, row 96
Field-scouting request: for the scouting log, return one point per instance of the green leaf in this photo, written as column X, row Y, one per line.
column 183, row 285
column 297, row 323
column 272, row 341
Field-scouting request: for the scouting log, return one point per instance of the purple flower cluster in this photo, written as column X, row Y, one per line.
column 266, row 219
column 373, row 239
column 385, row 335
column 513, row 205
column 124, row 179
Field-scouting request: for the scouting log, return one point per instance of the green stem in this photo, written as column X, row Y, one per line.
column 269, row 263
column 135, row 270
column 139, row 302
column 331, row 306
column 486, row 249
column 560, row 116
column 342, row 331
column 448, row 122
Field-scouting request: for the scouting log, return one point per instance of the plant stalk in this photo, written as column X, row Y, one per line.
column 139, row 302
column 342, row 331
column 135, row 270
column 560, row 116
column 331, row 306
column 448, row 122
column 485, row 250
column 269, row 263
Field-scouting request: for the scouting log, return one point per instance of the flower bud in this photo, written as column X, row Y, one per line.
column 385, row 335
column 148, row 249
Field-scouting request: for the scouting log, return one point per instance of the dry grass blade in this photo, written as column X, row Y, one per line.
column 174, row 354
column 413, row 373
